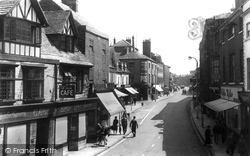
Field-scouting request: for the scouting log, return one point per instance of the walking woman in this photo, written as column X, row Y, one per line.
column 242, row 146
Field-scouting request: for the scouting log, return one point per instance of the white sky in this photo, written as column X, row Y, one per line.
column 165, row 22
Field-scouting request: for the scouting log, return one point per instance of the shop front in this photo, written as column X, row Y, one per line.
column 46, row 129
column 112, row 107
column 245, row 111
column 228, row 106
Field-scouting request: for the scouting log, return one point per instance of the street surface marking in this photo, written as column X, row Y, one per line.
column 159, row 137
column 153, row 145
column 147, row 114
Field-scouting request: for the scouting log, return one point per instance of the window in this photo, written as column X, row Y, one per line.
column 73, row 77
column 216, row 67
column 33, row 83
column 240, row 24
column 7, row 83
column 91, row 45
column 66, row 43
column 131, row 64
column 248, row 73
column 231, row 31
column 248, row 30
column 22, row 31
column 231, row 68
column 223, row 36
column 36, row 35
column 241, row 66
column 224, row 69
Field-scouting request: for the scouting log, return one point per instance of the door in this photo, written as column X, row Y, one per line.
column 42, row 135
column 73, row 132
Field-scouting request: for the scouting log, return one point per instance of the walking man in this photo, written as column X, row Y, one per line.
column 124, row 125
column 134, row 126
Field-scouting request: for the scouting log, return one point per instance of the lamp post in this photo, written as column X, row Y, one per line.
column 196, row 74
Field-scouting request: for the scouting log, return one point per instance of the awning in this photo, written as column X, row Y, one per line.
column 221, row 105
column 135, row 91
column 157, row 87
column 131, row 90
column 119, row 93
column 110, row 102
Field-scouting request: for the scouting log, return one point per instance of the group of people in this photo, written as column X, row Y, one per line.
column 122, row 127
column 220, row 129
column 104, row 131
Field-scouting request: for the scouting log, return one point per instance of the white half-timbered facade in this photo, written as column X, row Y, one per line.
column 21, row 28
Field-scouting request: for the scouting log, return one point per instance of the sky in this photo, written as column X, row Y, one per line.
column 164, row 22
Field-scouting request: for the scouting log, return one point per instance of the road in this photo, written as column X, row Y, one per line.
column 165, row 129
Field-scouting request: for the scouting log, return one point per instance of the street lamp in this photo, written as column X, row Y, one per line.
column 196, row 74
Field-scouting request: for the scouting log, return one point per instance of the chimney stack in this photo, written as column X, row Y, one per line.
column 73, row 4
column 133, row 43
column 147, row 47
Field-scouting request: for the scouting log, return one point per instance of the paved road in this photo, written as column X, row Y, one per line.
column 164, row 129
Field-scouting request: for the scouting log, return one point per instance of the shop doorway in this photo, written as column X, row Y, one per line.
column 42, row 135
column 73, row 132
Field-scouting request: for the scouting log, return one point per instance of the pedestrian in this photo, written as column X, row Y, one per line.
column 231, row 143
column 124, row 125
column 134, row 100
column 120, row 128
column 242, row 146
column 223, row 132
column 216, row 131
column 134, row 126
column 115, row 125
column 208, row 135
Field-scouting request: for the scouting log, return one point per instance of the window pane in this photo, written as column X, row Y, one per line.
column 33, row 83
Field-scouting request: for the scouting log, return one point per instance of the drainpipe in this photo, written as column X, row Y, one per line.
column 55, row 72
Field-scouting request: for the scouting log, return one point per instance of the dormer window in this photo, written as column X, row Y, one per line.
column 66, row 43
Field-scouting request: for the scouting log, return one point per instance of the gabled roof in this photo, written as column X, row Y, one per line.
column 122, row 43
column 48, row 50
column 134, row 55
column 50, row 5
column 57, row 20
column 7, row 5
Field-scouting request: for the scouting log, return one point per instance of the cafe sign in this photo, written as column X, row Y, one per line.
column 67, row 91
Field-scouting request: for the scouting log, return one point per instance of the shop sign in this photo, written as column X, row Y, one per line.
column 230, row 93
column 74, row 108
column 67, row 91
column 28, row 115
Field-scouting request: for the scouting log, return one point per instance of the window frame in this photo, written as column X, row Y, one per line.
column 232, row 67
column 248, row 30
column 10, row 78
column 33, row 77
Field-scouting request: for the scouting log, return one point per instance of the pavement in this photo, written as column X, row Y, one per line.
column 216, row 150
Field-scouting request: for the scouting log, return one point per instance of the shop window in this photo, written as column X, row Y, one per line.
column 33, row 84
column 61, row 131
column 233, row 117
column 7, row 83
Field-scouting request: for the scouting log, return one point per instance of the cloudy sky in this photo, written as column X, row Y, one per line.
column 165, row 22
